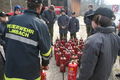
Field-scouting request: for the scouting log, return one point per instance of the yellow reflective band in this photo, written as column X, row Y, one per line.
column 38, row 78
column 19, row 30
column 6, row 78
column 48, row 53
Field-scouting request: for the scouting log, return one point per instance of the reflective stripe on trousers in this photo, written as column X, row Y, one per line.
column 6, row 78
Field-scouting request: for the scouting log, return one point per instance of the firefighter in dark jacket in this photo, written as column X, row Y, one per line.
column 73, row 26
column 26, row 36
column 3, row 24
column 17, row 10
column 87, row 21
column 49, row 17
column 63, row 23
column 118, row 74
column 101, row 48
column 3, row 20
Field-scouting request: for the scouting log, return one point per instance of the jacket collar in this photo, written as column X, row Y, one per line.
column 109, row 29
column 74, row 17
column 32, row 12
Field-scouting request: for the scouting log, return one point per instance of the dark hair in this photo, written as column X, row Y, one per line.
column 73, row 13
column 52, row 7
column 33, row 6
column 103, row 21
column 91, row 6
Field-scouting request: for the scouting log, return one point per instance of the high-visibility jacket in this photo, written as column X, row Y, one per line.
column 26, row 37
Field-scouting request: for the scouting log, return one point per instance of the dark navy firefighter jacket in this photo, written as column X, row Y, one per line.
column 63, row 21
column 26, row 36
column 49, row 16
column 100, row 54
column 73, row 25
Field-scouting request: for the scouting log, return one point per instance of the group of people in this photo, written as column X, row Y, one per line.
column 66, row 23
column 27, row 33
column 25, row 36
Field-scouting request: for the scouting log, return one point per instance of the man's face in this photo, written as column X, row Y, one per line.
column 90, row 8
column 63, row 13
column 73, row 15
column 51, row 10
column 38, row 10
column 4, row 19
column 17, row 12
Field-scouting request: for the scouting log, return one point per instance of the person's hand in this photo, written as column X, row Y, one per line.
column 63, row 27
column 45, row 67
column 48, row 22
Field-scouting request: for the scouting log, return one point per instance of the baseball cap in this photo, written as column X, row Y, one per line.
column 102, row 11
column 2, row 14
column 17, row 7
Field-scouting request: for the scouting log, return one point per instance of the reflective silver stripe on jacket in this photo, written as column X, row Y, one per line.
column 21, row 39
column 46, row 58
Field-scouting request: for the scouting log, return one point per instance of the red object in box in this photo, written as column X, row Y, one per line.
column 73, row 44
column 79, row 54
column 61, row 49
column 43, row 75
column 63, row 42
column 72, row 71
column 68, row 56
column 73, row 57
column 70, row 48
column 80, row 47
column 81, row 41
column 63, row 64
column 67, row 45
column 55, row 50
column 58, row 55
column 75, row 48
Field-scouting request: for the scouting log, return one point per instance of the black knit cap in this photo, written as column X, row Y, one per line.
column 62, row 10
column 102, row 11
column 35, row 1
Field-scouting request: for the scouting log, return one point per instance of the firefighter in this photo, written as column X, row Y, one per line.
column 73, row 26
column 87, row 21
column 63, row 23
column 26, row 36
column 118, row 74
column 101, row 48
column 17, row 10
column 49, row 17
column 3, row 20
column 119, row 28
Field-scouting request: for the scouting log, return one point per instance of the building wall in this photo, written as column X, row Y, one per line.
column 74, row 6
